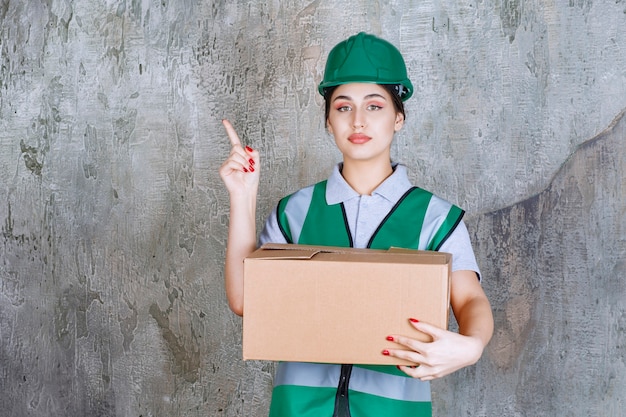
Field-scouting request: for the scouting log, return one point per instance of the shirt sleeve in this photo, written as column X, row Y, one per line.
column 271, row 231
column 459, row 245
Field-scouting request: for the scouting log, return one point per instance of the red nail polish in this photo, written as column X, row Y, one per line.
column 249, row 149
column 390, row 338
column 398, row 366
column 386, row 352
column 244, row 169
column 414, row 320
column 251, row 169
column 251, row 161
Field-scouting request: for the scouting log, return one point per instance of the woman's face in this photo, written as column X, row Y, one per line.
column 363, row 120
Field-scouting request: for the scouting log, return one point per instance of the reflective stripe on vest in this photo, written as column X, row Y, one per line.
column 308, row 389
column 363, row 380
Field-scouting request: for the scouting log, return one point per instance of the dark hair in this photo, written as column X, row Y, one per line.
column 392, row 89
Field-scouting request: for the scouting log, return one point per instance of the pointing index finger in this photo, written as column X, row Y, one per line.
column 232, row 134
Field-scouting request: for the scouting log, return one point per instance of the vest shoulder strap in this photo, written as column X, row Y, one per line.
column 419, row 220
column 305, row 218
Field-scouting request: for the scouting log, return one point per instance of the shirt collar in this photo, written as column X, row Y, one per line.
column 392, row 189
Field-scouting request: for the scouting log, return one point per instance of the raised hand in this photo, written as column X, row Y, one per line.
column 240, row 171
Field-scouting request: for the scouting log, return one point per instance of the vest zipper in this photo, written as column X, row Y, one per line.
column 342, row 403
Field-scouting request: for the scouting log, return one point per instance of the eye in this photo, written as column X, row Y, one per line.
column 374, row 106
column 343, row 107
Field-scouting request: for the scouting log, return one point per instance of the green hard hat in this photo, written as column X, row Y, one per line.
column 365, row 58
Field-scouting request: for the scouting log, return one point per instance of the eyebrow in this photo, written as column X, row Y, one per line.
column 367, row 97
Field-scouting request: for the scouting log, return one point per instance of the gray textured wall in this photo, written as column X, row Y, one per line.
column 113, row 219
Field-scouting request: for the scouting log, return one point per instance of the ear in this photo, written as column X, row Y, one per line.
column 399, row 122
column 329, row 127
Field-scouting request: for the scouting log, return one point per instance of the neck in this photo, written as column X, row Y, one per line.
column 364, row 177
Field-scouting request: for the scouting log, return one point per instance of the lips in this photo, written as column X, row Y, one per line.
column 358, row 138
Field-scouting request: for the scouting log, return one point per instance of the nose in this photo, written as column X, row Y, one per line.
column 358, row 121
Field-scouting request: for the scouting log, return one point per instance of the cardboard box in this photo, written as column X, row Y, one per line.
column 338, row 305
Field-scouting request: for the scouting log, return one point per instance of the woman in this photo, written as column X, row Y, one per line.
column 365, row 84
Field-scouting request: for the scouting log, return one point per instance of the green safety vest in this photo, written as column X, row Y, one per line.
column 419, row 220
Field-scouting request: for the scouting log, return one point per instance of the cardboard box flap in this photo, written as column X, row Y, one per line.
column 294, row 251
column 431, row 257
column 313, row 249
column 281, row 254
column 286, row 251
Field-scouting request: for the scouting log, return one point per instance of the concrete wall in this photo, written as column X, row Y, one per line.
column 113, row 218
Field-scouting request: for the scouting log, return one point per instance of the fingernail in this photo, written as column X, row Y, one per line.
column 251, row 161
column 244, row 169
column 251, row 169
column 390, row 338
column 386, row 352
column 414, row 320
column 398, row 366
column 249, row 149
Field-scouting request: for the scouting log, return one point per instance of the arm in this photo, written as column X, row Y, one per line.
column 240, row 173
column 471, row 308
column 449, row 351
